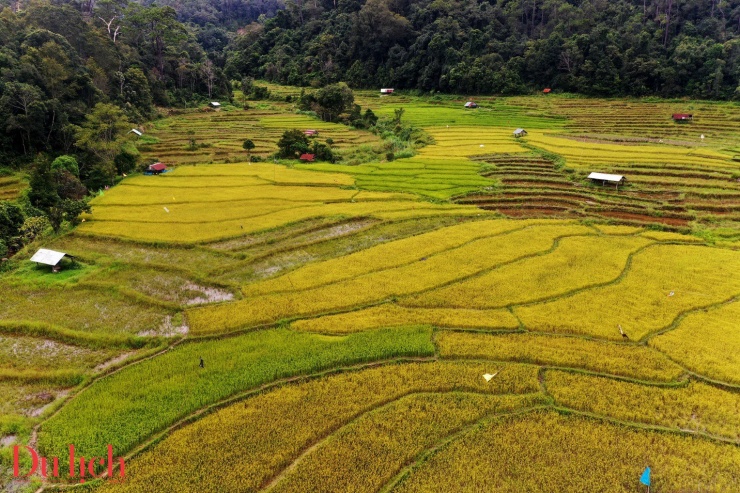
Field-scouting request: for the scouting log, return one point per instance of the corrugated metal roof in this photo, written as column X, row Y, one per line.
column 158, row 167
column 519, row 130
column 605, row 177
column 47, row 257
column 137, row 132
column 215, row 103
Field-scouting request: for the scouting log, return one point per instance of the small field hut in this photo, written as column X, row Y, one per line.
column 547, row 90
column 215, row 104
column 682, row 117
column 520, row 132
column 311, row 133
column 471, row 104
column 607, row 179
column 157, row 168
column 50, row 257
column 136, row 132
column 386, row 90
column 307, row 157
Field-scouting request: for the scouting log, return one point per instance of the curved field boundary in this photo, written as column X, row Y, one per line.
column 153, row 395
column 427, row 454
column 326, row 439
column 392, row 266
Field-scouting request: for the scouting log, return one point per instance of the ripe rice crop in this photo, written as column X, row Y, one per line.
column 385, row 256
column 667, row 236
column 391, row 315
column 543, row 452
column 629, row 361
column 448, row 266
column 274, row 427
column 134, row 195
column 611, row 229
column 162, row 228
column 706, row 342
column 369, row 452
column 696, row 407
column 579, row 154
column 577, row 262
column 641, row 302
column 271, row 173
column 131, row 405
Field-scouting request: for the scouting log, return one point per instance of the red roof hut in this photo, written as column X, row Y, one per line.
column 682, row 117
column 547, row 90
column 307, row 157
column 157, row 168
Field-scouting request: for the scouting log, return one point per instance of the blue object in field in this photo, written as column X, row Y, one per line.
column 645, row 478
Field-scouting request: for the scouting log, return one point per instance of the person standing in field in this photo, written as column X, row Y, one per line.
column 202, row 363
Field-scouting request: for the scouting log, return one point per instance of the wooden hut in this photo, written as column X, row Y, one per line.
column 520, row 132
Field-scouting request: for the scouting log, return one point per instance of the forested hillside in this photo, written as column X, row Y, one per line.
column 596, row 47
column 58, row 61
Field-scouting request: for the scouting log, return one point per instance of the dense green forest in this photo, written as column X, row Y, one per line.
column 596, row 47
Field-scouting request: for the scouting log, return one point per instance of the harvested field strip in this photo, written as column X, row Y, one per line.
column 370, row 451
column 26, row 353
column 437, row 270
column 706, row 342
column 391, row 315
column 644, row 300
column 94, row 311
column 63, row 335
column 127, row 407
column 542, row 451
column 697, row 407
column 274, row 428
column 576, row 263
column 623, row 360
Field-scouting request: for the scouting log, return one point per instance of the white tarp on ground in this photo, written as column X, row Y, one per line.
column 605, row 177
column 47, row 257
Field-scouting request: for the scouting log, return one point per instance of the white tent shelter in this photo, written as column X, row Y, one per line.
column 605, row 178
column 48, row 257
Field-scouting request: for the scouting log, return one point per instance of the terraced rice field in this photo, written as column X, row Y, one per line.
column 11, row 187
column 380, row 327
